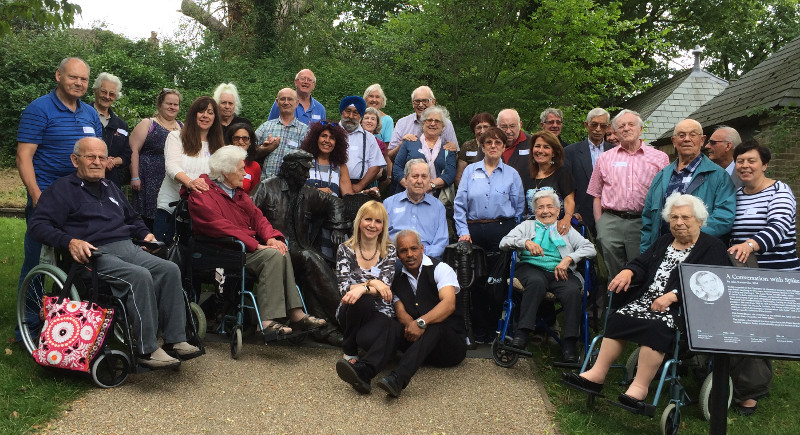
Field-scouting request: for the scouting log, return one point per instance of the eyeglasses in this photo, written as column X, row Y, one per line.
column 594, row 125
column 91, row 157
column 105, row 93
column 553, row 122
column 507, row 127
column 245, row 139
column 306, row 80
column 433, row 121
column 419, row 101
column 715, row 142
column 692, row 135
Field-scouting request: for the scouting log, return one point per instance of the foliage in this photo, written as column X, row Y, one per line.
column 45, row 13
column 30, row 394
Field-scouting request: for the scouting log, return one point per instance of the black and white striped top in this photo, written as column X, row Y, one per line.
column 768, row 217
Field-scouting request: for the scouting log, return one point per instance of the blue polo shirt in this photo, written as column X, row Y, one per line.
column 48, row 123
column 427, row 217
column 315, row 113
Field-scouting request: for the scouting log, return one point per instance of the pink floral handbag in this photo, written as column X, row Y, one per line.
column 73, row 332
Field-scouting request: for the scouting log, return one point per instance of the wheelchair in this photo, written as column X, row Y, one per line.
column 505, row 355
column 118, row 358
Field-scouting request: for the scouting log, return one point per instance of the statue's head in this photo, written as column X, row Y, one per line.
column 295, row 167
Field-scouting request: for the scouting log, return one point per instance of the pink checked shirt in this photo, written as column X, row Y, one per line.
column 621, row 179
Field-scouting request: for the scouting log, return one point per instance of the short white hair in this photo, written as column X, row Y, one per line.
column 376, row 87
column 682, row 199
column 547, row 193
column 435, row 109
column 406, row 233
column 229, row 88
column 224, row 161
column 422, row 88
column 107, row 77
column 550, row 111
column 625, row 112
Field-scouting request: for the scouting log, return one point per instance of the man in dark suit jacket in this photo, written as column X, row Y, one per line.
column 580, row 158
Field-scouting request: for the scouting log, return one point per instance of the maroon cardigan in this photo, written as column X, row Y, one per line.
column 215, row 214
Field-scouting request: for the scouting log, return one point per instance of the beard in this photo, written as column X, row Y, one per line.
column 349, row 125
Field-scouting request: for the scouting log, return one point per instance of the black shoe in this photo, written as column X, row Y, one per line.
column 391, row 384
column 520, row 340
column 636, row 406
column 575, row 381
column 745, row 411
column 569, row 356
column 354, row 374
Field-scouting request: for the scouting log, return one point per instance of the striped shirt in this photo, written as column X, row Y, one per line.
column 621, row 179
column 51, row 125
column 768, row 217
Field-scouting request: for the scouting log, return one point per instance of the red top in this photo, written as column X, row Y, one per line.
column 510, row 150
column 253, row 170
column 215, row 214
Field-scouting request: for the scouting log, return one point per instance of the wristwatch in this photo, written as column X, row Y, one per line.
column 753, row 247
column 433, row 185
column 421, row 323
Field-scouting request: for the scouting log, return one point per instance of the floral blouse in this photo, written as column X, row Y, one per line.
column 348, row 272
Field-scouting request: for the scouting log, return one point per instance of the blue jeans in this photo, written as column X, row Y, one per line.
column 32, row 251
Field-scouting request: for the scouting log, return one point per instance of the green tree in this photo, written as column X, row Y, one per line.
column 48, row 13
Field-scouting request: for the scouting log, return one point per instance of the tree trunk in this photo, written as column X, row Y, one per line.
column 195, row 12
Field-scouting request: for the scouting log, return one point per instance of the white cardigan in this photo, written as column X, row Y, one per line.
column 175, row 162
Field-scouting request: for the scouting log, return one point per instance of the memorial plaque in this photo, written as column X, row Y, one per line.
column 739, row 310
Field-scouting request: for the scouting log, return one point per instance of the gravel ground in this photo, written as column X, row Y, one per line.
column 290, row 389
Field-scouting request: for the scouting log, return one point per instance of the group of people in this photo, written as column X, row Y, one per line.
column 647, row 214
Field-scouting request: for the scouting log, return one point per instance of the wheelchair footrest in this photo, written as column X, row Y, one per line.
column 646, row 409
column 512, row 349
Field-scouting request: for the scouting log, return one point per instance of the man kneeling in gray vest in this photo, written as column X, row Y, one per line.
column 425, row 301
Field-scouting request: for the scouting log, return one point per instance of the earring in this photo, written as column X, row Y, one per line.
column 552, row 162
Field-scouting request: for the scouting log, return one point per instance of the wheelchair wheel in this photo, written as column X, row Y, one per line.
column 43, row 280
column 630, row 365
column 501, row 357
column 670, row 420
column 111, row 370
column 236, row 342
column 199, row 318
column 705, row 396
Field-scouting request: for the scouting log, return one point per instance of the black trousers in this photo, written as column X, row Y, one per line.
column 440, row 346
column 537, row 282
column 485, row 310
column 367, row 328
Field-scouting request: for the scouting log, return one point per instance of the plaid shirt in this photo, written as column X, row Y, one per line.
column 679, row 180
column 291, row 137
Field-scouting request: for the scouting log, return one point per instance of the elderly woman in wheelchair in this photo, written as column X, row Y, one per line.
column 650, row 293
column 547, row 263
column 225, row 210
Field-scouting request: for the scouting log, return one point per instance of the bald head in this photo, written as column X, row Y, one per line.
column 508, row 120
column 305, row 81
column 287, row 102
column 688, row 139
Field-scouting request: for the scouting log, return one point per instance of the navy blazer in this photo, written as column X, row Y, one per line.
column 578, row 159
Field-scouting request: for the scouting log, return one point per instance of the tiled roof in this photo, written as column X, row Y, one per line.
column 665, row 104
column 774, row 82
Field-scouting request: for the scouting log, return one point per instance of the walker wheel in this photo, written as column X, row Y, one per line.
column 199, row 318
column 705, row 396
column 670, row 420
column 503, row 358
column 236, row 342
column 111, row 370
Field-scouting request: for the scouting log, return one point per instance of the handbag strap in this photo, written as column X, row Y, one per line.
column 74, row 270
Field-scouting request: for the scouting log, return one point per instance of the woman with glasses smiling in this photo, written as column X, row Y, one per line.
column 242, row 135
column 430, row 147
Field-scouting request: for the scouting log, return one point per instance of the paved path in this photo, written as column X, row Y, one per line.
column 291, row 389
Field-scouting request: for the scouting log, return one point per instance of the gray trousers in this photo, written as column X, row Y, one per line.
column 151, row 287
column 276, row 292
column 619, row 240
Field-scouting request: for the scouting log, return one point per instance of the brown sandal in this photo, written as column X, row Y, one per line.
column 307, row 323
column 276, row 327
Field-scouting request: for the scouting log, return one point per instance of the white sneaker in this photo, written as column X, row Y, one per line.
column 159, row 360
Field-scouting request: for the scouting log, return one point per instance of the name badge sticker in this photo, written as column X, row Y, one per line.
column 315, row 116
column 524, row 152
column 248, row 177
column 292, row 143
column 687, row 180
column 472, row 153
column 122, row 132
column 750, row 211
column 621, row 164
column 399, row 209
column 478, row 175
column 88, row 130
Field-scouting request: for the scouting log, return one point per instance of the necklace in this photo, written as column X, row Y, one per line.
column 364, row 257
column 319, row 178
column 163, row 123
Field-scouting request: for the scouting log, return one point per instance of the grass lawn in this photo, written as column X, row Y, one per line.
column 776, row 414
column 29, row 394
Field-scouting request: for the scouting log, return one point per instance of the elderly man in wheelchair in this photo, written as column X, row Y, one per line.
column 84, row 213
